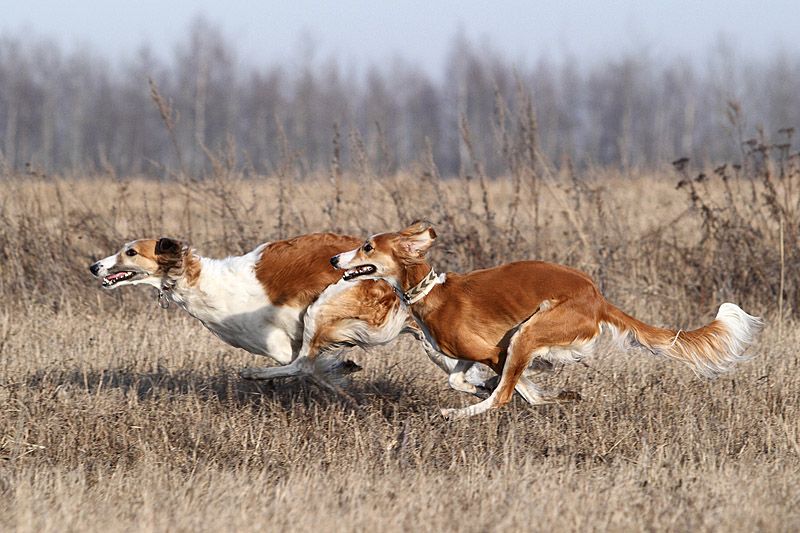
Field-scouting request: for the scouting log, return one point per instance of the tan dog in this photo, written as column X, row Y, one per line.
column 528, row 313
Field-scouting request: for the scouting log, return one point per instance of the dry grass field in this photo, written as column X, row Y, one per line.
column 118, row 415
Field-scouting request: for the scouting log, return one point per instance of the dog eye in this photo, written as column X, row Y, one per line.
column 367, row 247
column 130, row 252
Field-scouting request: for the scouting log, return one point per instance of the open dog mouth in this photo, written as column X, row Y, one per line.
column 361, row 270
column 117, row 277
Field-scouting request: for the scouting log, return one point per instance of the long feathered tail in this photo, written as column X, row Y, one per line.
column 710, row 350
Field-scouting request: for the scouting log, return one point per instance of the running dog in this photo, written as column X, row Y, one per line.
column 528, row 313
column 282, row 300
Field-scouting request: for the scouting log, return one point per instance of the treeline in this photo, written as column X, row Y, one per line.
column 64, row 111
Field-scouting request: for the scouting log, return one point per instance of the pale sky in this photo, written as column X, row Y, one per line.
column 360, row 32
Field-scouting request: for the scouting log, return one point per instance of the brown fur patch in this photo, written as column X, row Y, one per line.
column 294, row 272
column 145, row 258
column 146, row 248
column 191, row 269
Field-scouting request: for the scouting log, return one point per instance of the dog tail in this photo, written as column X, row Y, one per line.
column 709, row 350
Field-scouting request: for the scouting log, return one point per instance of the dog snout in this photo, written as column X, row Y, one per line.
column 335, row 261
column 94, row 268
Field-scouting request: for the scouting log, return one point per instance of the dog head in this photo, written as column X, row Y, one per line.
column 387, row 255
column 147, row 261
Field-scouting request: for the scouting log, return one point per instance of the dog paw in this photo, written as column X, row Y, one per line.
column 348, row 367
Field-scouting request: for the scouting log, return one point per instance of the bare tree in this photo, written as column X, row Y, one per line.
column 62, row 110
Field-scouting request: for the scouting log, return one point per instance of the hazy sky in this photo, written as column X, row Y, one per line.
column 364, row 31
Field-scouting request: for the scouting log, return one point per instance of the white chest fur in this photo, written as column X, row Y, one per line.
column 230, row 301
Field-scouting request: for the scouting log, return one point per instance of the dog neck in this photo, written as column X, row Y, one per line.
column 422, row 288
column 214, row 290
column 181, row 287
column 419, row 282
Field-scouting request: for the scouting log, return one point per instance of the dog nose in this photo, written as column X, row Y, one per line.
column 335, row 261
column 94, row 268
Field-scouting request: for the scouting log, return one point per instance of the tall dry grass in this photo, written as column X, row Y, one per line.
column 117, row 415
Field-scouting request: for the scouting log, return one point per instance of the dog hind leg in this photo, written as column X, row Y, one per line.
column 279, row 348
column 559, row 326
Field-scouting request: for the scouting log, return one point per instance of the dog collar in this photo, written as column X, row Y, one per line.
column 162, row 297
column 421, row 289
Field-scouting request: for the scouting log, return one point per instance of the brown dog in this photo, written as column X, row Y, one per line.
column 528, row 313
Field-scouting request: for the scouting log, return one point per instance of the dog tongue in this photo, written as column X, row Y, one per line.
column 116, row 275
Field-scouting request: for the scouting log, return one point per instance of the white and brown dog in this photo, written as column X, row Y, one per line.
column 283, row 300
column 529, row 313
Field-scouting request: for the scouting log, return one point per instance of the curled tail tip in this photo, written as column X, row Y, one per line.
column 730, row 307
column 740, row 332
column 739, row 323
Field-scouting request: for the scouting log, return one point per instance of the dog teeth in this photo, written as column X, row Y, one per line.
column 358, row 271
column 113, row 279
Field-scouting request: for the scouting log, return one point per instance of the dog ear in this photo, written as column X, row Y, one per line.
column 417, row 227
column 416, row 239
column 169, row 255
column 167, row 246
